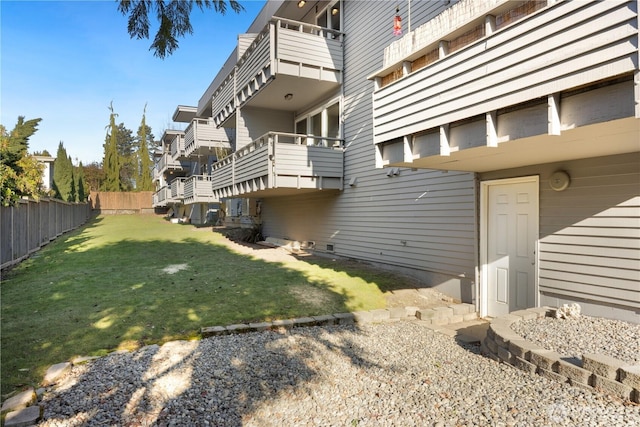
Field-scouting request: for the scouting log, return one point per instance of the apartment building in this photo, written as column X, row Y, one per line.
column 491, row 149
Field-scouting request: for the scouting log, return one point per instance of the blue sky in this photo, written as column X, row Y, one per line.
column 65, row 61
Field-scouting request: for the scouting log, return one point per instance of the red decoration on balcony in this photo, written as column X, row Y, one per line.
column 397, row 24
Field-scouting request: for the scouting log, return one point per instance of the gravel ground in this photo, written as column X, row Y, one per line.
column 576, row 336
column 392, row 374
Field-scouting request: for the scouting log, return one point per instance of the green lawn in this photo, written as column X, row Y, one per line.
column 105, row 287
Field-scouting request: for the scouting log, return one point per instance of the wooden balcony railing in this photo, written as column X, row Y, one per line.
column 280, row 161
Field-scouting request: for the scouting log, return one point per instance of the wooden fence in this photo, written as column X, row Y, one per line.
column 30, row 224
column 122, row 203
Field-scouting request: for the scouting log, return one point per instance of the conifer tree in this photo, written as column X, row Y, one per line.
column 63, row 186
column 173, row 18
column 144, row 179
column 111, row 164
column 81, row 185
column 20, row 174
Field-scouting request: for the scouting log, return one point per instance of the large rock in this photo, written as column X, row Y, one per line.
column 54, row 373
column 19, row 401
column 23, row 417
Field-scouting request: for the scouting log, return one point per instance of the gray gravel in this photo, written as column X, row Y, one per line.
column 576, row 336
column 393, row 374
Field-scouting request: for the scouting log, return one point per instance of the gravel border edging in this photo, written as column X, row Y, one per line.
column 596, row 371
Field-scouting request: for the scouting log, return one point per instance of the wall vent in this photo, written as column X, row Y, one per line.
column 329, row 248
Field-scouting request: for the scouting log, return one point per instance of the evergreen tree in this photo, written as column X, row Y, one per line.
column 81, row 184
column 126, row 157
column 173, row 17
column 72, row 197
column 144, row 179
column 63, row 185
column 20, row 174
column 111, row 162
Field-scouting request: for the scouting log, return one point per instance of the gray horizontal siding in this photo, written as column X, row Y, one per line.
column 590, row 233
column 568, row 45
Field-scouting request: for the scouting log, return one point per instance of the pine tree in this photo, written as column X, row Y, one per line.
column 144, row 179
column 111, row 162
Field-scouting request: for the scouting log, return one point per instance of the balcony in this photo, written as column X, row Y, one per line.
column 176, row 192
column 307, row 59
column 197, row 189
column 202, row 137
column 168, row 163
column 176, row 147
column 279, row 164
column 503, row 87
column 161, row 197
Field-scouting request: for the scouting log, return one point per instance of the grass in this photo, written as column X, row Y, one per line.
column 107, row 286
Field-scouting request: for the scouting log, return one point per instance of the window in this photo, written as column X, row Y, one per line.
column 324, row 123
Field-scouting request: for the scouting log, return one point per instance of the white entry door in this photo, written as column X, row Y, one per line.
column 510, row 235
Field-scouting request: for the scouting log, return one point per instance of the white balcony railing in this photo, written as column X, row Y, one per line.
column 280, row 161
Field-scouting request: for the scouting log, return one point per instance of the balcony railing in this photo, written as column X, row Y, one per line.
column 202, row 135
column 161, row 197
column 285, row 48
column 279, row 163
column 468, row 95
column 197, row 189
column 177, row 190
column 168, row 162
column 177, row 147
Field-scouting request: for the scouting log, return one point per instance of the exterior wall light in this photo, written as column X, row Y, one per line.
column 301, row 3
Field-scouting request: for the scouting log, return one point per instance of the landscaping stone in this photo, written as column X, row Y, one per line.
column 630, row 375
column 545, row 359
column 212, row 331
column 573, row 372
column 411, row 311
column 523, row 365
column 611, row 387
column 344, row 318
column 380, row 315
column 604, row 366
column 261, row 326
column 327, row 319
column 238, row 328
column 397, row 312
column 55, row 372
column 425, row 314
column 550, row 375
column 284, row 323
column 23, row 417
column 362, row 316
column 521, row 348
column 19, row 401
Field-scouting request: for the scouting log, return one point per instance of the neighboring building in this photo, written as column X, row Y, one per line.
column 47, row 173
column 493, row 151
